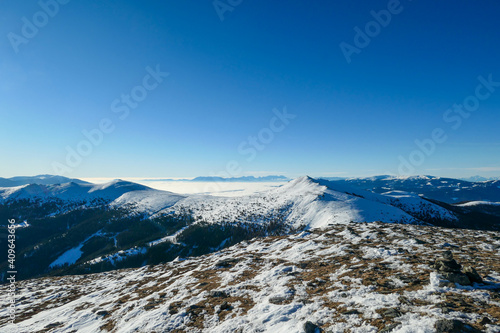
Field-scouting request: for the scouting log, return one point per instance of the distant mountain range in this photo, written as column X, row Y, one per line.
column 247, row 179
column 40, row 179
column 447, row 190
column 479, row 178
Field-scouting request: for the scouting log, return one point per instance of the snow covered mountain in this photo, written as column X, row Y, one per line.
column 307, row 202
column 447, row 190
column 250, row 179
column 243, row 179
column 76, row 228
column 478, row 178
column 117, row 193
column 310, row 203
column 40, row 179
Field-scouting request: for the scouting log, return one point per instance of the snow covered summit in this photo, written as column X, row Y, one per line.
column 312, row 203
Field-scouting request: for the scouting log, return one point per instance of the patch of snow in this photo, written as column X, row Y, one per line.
column 69, row 257
column 477, row 203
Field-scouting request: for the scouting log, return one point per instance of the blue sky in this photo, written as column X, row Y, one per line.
column 225, row 77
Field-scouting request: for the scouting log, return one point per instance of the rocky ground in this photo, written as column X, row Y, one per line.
column 359, row 277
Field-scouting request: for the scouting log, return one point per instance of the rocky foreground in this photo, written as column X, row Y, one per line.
column 367, row 277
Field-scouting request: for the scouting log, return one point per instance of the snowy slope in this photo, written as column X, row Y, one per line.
column 117, row 193
column 360, row 277
column 147, row 200
column 310, row 203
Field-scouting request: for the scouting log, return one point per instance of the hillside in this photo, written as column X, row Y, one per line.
column 40, row 179
column 358, row 277
column 447, row 190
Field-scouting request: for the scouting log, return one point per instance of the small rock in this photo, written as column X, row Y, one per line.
column 226, row 263
column 485, row 321
column 303, row 265
column 218, row 293
column 304, row 300
column 311, row 328
column 453, row 326
column 277, row 300
column 350, row 312
column 392, row 313
column 388, row 328
column 172, row 309
column 472, row 274
column 225, row 306
column 102, row 313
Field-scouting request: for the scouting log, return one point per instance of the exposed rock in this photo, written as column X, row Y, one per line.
column 226, row 263
column 311, row 328
column 225, row 306
column 447, row 263
column 453, row 326
column 277, row 300
column 56, row 324
column 444, row 265
column 419, row 241
column 172, row 309
column 102, row 313
column 350, row 312
column 392, row 313
column 472, row 274
column 452, row 271
column 457, row 277
column 485, row 321
column 218, row 293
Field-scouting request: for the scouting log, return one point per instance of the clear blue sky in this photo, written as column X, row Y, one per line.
column 226, row 77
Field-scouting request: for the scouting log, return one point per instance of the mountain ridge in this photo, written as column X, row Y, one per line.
column 89, row 228
column 40, row 179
